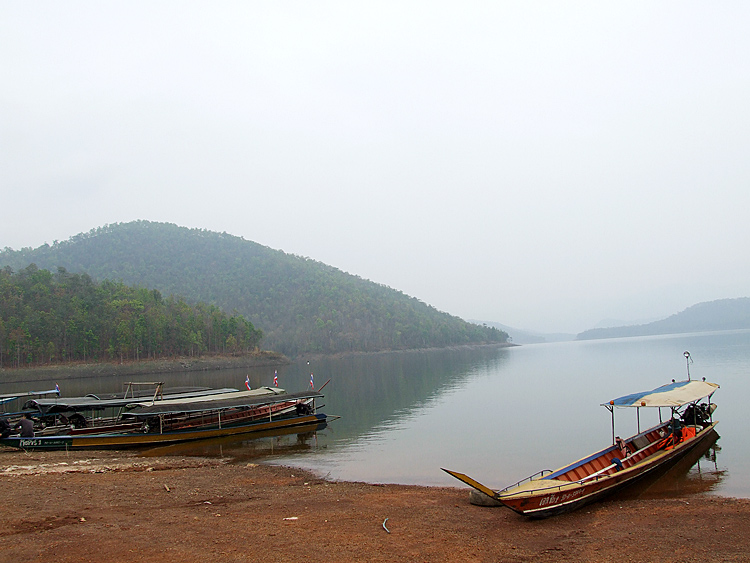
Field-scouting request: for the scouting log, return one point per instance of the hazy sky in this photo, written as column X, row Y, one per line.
column 541, row 164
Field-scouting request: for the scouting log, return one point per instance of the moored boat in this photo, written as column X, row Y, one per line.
column 106, row 412
column 586, row 480
column 134, row 392
column 161, row 422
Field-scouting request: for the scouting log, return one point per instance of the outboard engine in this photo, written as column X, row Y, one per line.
column 698, row 414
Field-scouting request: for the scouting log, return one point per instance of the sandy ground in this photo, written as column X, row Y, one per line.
column 118, row 507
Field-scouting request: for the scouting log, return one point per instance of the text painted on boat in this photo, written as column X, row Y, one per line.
column 30, row 443
column 557, row 499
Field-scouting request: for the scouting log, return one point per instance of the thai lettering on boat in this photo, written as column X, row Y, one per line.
column 551, row 499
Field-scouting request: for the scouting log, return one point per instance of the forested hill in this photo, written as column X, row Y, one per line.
column 300, row 305
column 50, row 318
column 723, row 314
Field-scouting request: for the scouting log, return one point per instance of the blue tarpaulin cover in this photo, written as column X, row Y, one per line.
column 671, row 395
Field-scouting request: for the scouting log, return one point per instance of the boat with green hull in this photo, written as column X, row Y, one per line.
column 139, row 439
column 151, row 422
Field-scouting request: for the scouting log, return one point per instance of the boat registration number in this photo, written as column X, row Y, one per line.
column 560, row 498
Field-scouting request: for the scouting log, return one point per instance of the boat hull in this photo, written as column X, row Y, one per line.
column 136, row 439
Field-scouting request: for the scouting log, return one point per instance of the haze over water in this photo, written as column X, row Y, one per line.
column 498, row 415
column 502, row 415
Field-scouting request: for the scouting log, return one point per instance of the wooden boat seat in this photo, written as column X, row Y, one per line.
column 640, row 442
column 601, row 464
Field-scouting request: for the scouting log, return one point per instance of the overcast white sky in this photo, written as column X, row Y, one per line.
column 540, row 164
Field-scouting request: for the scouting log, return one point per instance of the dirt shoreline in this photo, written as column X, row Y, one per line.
column 122, row 507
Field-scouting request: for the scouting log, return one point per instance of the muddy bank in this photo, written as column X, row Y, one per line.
column 144, row 367
column 119, row 507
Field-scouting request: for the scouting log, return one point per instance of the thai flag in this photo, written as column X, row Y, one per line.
column 247, row 382
column 275, row 379
column 57, row 389
column 312, row 385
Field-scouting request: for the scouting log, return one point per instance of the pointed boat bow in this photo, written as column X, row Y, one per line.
column 472, row 483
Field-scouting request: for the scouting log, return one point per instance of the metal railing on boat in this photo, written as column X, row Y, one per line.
column 539, row 474
column 595, row 475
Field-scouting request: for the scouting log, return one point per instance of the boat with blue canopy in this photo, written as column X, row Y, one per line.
column 690, row 425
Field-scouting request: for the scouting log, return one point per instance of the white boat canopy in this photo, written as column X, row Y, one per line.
column 672, row 395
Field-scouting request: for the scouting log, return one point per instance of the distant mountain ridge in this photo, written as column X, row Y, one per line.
column 722, row 314
column 520, row 336
column 302, row 306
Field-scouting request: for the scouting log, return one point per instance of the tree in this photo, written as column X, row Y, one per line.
column 68, row 317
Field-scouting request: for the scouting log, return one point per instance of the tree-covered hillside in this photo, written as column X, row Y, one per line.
column 52, row 318
column 723, row 314
column 300, row 305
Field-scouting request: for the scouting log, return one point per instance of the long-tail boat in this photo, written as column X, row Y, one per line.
column 103, row 410
column 167, row 421
column 548, row 492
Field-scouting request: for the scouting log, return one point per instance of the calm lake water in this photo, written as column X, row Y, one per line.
column 497, row 414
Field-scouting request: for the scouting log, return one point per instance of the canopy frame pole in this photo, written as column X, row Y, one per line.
column 611, row 409
column 638, row 418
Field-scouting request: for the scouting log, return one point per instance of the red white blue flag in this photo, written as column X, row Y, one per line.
column 275, row 378
column 57, row 389
column 312, row 385
column 247, row 382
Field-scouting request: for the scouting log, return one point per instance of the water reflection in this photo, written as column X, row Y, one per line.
column 696, row 473
column 262, row 445
column 516, row 411
column 496, row 414
column 372, row 391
